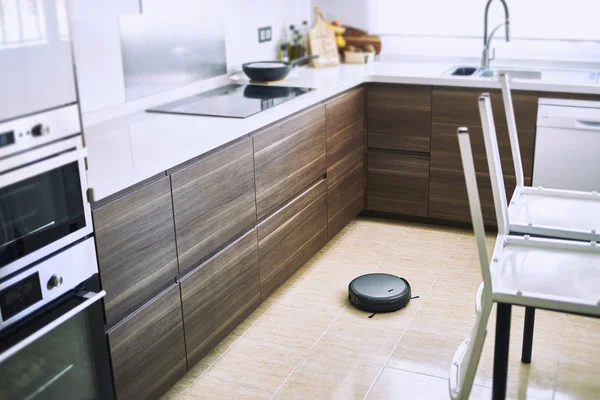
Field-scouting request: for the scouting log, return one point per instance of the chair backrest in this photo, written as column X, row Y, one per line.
column 512, row 129
column 494, row 163
column 467, row 362
column 466, row 156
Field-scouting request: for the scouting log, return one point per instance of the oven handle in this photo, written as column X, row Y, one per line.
column 41, row 167
column 91, row 299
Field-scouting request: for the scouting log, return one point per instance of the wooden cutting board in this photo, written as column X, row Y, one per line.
column 321, row 40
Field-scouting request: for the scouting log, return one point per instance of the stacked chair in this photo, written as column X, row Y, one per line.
column 546, row 254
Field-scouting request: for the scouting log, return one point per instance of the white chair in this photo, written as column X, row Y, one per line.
column 553, row 274
column 545, row 211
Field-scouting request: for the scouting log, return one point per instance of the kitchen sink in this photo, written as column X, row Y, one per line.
column 514, row 73
column 463, row 71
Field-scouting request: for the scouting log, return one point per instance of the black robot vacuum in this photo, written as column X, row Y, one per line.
column 379, row 292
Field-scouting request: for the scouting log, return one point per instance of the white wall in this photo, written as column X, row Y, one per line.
column 539, row 19
column 97, row 49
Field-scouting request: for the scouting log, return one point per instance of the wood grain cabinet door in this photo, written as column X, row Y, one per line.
column 288, row 157
column 135, row 241
column 148, row 350
column 291, row 236
column 345, row 159
column 214, row 202
column 219, row 295
column 398, row 183
column 399, row 117
column 454, row 107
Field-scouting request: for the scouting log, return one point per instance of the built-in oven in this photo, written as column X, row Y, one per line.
column 43, row 192
column 52, row 341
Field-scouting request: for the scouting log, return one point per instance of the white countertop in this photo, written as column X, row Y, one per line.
column 127, row 150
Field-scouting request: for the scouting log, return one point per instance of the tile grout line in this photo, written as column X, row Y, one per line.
column 263, row 314
column 411, row 320
column 326, row 329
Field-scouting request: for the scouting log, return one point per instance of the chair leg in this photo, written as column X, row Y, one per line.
column 501, row 351
column 528, row 335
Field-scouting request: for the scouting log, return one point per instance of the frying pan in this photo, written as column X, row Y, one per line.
column 269, row 71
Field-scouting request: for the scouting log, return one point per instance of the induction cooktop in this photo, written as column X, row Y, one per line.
column 232, row 101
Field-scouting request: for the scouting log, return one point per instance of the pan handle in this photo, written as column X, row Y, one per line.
column 301, row 60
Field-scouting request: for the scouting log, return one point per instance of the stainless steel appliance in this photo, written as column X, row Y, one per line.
column 52, row 341
column 566, row 145
column 43, row 189
column 233, row 101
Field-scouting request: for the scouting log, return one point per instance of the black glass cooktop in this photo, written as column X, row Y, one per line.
column 232, row 101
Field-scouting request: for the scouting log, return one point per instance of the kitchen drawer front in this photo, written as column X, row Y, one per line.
column 345, row 150
column 399, row 117
column 214, row 202
column 291, row 236
column 135, row 242
column 288, row 157
column 148, row 350
column 343, row 112
column 448, row 195
column 219, row 295
column 454, row 107
column 345, row 199
column 398, row 183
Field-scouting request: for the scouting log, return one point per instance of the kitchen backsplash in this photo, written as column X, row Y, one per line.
column 97, row 39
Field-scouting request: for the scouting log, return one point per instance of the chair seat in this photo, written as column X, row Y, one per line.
column 555, row 213
column 547, row 273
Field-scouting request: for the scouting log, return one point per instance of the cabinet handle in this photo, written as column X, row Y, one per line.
column 587, row 124
column 90, row 297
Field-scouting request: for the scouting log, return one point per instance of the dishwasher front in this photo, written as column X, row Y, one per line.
column 567, row 145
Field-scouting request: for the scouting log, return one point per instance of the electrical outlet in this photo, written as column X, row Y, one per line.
column 264, row 34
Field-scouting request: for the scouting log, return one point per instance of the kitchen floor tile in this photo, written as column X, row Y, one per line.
column 397, row 384
column 307, row 342
column 425, row 352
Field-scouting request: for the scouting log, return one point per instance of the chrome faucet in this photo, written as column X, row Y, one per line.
column 485, row 57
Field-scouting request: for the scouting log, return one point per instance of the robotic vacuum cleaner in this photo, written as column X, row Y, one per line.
column 379, row 292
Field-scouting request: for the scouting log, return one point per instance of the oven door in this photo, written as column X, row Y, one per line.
column 35, row 57
column 43, row 203
column 59, row 352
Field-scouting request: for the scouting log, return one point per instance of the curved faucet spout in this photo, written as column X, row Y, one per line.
column 485, row 21
column 485, row 57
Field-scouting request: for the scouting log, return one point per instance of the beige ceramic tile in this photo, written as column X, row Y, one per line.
column 216, row 390
column 398, row 384
column 319, row 377
column 445, row 317
column 273, row 349
column 254, row 364
column 425, row 352
column 355, row 336
column 468, row 244
column 578, row 379
column 535, row 380
column 296, row 328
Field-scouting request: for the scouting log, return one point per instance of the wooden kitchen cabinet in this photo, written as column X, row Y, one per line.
column 398, row 183
column 288, row 157
column 345, row 159
column 219, row 295
column 291, row 236
column 399, row 117
column 135, row 243
column 148, row 350
column 454, row 107
column 214, row 202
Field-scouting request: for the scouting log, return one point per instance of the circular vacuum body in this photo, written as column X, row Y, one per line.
column 379, row 292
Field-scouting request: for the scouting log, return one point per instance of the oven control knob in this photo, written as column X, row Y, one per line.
column 54, row 281
column 39, row 130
